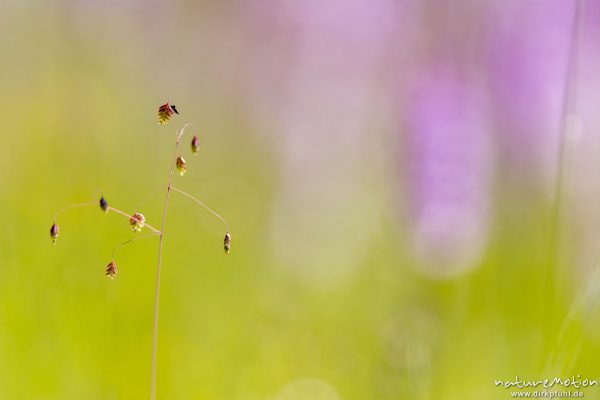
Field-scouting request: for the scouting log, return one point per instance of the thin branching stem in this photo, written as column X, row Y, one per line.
column 182, row 131
column 149, row 196
column 568, row 115
column 62, row 210
column 564, row 156
column 118, row 247
column 160, row 251
column 216, row 214
column 93, row 203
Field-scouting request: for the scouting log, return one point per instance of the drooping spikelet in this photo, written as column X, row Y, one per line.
column 227, row 243
column 136, row 221
column 181, row 165
column 165, row 112
column 54, row 233
column 103, row 204
column 195, row 144
column 111, row 270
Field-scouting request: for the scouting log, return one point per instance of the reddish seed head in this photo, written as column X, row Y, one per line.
column 195, row 144
column 54, row 232
column 111, row 270
column 165, row 112
column 136, row 221
column 181, row 166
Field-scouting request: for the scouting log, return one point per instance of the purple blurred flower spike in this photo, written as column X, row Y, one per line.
column 449, row 158
column 528, row 55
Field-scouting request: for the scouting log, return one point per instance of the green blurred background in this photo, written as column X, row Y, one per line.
column 323, row 295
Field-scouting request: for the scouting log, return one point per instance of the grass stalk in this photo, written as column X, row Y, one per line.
column 567, row 135
column 158, row 267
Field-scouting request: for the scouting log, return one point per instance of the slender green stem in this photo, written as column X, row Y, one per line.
column 203, row 205
column 62, row 210
column 566, row 126
column 145, row 199
column 93, row 203
column 117, row 247
column 160, row 251
column 568, row 117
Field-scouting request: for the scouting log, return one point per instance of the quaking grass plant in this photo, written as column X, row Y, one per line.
column 138, row 223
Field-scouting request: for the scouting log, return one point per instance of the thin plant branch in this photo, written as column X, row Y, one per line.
column 62, row 210
column 118, row 247
column 93, row 203
column 216, row 214
column 158, row 267
column 567, row 118
column 567, row 134
column 150, row 195
column 182, row 130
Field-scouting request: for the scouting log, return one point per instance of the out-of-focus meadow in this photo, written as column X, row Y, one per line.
column 411, row 187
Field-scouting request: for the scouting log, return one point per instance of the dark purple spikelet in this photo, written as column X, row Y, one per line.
column 227, row 243
column 54, row 232
column 195, row 144
column 103, row 204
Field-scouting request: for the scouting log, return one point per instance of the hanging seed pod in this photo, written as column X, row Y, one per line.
column 54, row 232
column 111, row 270
column 181, row 166
column 195, row 144
column 165, row 112
column 136, row 221
column 227, row 243
column 103, row 204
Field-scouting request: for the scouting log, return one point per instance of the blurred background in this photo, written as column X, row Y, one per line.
column 411, row 188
